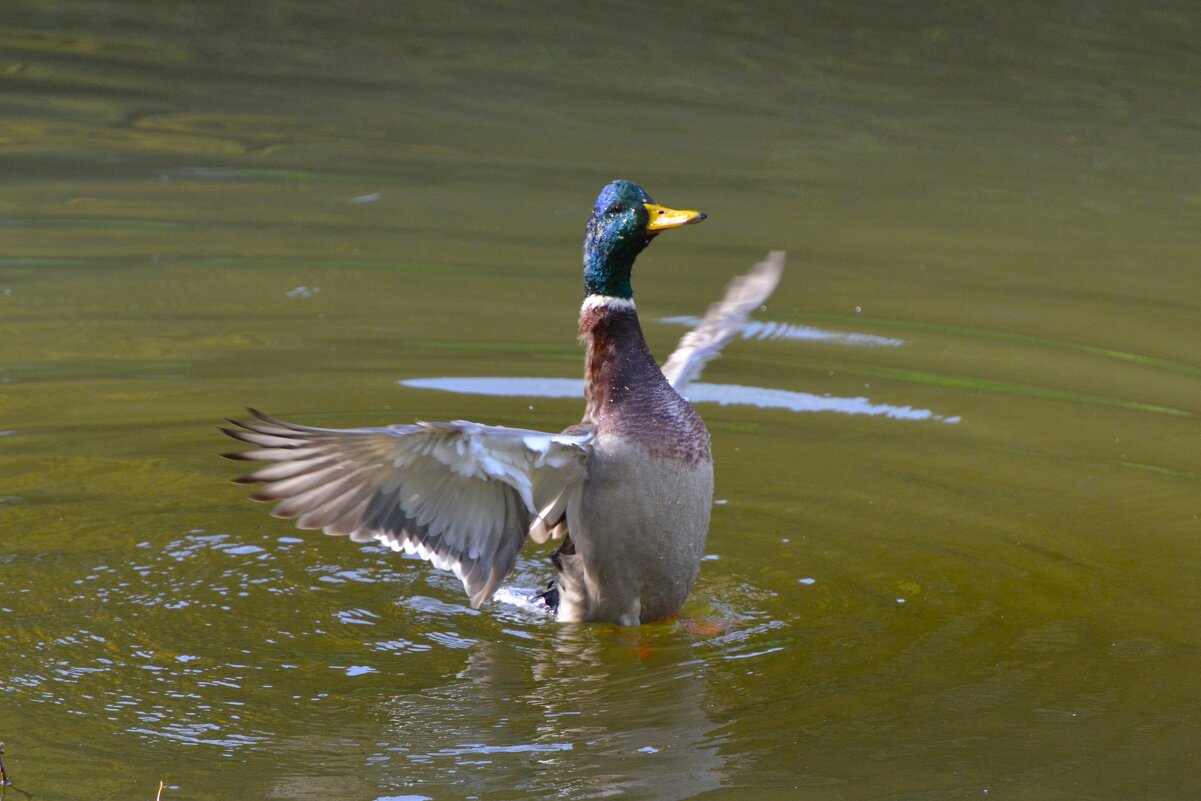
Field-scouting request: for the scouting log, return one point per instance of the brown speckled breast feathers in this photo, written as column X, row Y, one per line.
column 626, row 393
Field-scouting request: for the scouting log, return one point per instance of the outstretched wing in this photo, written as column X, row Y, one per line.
column 723, row 321
column 461, row 495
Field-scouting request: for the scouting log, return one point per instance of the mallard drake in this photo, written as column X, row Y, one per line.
column 628, row 489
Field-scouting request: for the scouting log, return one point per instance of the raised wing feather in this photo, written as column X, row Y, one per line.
column 461, row 495
column 723, row 321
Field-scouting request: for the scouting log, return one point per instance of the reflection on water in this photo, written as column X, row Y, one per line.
column 697, row 392
column 772, row 329
column 567, row 721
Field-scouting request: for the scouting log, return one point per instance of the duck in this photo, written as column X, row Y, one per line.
column 627, row 491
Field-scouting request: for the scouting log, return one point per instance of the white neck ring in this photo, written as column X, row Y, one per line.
column 608, row 302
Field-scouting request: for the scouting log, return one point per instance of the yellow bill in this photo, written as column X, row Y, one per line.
column 663, row 218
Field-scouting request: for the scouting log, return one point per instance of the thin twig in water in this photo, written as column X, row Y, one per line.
column 3, row 775
column 159, row 797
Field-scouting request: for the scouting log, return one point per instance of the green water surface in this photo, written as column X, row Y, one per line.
column 293, row 205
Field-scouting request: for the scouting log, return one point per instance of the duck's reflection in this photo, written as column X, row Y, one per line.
column 699, row 392
column 771, row 329
column 589, row 712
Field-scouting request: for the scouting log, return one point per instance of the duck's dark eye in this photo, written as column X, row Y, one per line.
column 617, row 208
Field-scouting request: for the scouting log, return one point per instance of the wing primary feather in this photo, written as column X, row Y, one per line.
column 284, row 470
column 328, row 512
column 350, row 516
column 265, row 438
column 300, row 484
column 723, row 321
column 302, row 503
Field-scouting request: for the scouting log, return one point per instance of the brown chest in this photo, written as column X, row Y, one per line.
column 626, row 392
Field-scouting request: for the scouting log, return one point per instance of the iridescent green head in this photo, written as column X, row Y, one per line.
column 623, row 222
